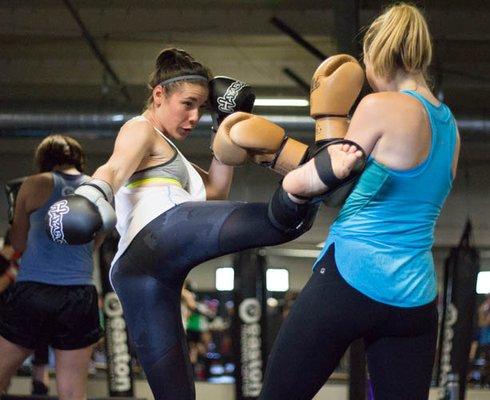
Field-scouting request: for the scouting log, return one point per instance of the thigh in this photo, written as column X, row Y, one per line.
column 323, row 321
column 400, row 363
column 193, row 232
column 179, row 239
column 76, row 318
column 71, row 372
column 249, row 226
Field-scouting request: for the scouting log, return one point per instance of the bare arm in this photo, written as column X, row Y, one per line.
column 217, row 180
column 454, row 167
column 367, row 124
column 33, row 193
column 133, row 143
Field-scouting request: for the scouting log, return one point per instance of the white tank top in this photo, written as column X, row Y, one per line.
column 138, row 206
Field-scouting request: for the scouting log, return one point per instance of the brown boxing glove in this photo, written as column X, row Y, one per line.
column 243, row 136
column 335, row 86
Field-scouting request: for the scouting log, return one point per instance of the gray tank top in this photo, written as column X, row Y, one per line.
column 173, row 171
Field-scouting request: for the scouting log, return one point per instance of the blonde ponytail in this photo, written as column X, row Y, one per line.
column 398, row 38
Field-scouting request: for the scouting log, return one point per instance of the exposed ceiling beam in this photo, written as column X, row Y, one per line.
column 95, row 49
column 19, row 123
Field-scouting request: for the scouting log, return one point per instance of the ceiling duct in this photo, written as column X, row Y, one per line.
column 26, row 123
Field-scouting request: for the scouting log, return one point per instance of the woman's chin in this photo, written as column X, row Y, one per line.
column 182, row 135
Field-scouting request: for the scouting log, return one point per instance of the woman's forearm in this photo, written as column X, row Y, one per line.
column 220, row 177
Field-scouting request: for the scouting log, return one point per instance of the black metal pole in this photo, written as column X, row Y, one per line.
column 299, row 81
column 249, row 324
column 95, row 48
column 297, row 38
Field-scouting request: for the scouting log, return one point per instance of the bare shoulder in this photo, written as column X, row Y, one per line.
column 389, row 101
column 392, row 108
column 136, row 135
column 138, row 128
column 35, row 190
column 38, row 182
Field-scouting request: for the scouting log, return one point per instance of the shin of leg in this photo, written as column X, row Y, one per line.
column 289, row 216
column 71, row 373
column 171, row 377
column 12, row 357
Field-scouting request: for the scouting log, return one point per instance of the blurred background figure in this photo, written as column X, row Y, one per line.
column 53, row 300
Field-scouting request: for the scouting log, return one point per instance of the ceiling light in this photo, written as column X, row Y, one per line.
column 225, row 278
column 282, row 102
column 483, row 282
column 277, row 280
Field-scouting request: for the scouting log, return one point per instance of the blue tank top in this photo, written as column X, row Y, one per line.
column 48, row 262
column 384, row 233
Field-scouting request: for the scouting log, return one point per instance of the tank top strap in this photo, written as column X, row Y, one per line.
column 419, row 97
column 440, row 118
column 143, row 118
column 58, row 189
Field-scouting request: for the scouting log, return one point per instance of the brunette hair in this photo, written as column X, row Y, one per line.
column 57, row 150
column 173, row 63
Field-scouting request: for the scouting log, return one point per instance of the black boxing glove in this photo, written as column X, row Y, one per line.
column 226, row 96
column 77, row 218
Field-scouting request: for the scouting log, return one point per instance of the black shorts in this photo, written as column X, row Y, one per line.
column 36, row 314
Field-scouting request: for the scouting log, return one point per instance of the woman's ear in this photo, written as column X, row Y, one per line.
column 158, row 95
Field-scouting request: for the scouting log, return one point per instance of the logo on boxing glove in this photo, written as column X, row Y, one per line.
column 227, row 102
column 55, row 221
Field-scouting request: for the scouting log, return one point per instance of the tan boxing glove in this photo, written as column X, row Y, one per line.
column 335, row 86
column 243, row 136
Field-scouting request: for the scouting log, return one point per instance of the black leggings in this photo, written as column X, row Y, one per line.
column 149, row 275
column 327, row 317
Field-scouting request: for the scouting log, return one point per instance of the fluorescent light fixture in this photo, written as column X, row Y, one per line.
column 118, row 117
column 277, row 280
column 225, row 279
column 282, row 102
column 483, row 282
